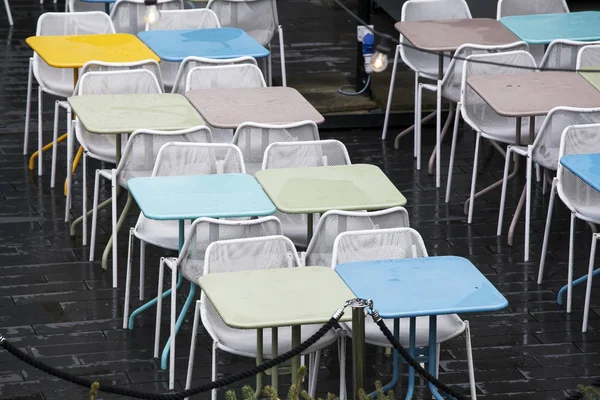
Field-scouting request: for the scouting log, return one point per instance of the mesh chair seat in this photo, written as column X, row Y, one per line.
column 163, row 234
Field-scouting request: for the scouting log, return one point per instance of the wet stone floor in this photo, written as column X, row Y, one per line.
column 61, row 309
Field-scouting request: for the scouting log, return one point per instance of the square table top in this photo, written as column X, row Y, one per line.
column 276, row 297
column 449, row 35
column 544, row 28
column 196, row 196
column 585, row 166
column 74, row 51
column 531, row 94
column 320, row 189
column 416, row 287
column 269, row 105
column 219, row 43
column 124, row 113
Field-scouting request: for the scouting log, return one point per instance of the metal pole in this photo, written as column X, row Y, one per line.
column 364, row 12
column 358, row 349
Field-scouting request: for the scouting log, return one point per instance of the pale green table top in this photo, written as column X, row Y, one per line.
column 320, row 189
column 272, row 298
column 124, row 113
column 592, row 77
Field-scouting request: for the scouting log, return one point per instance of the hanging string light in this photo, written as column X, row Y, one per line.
column 152, row 14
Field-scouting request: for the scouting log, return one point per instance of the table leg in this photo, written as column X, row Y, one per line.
column 107, row 8
column 563, row 290
column 259, row 359
column 409, row 129
column 274, row 352
column 296, row 335
column 309, row 228
column 438, row 124
column 184, row 310
column 396, row 363
column 432, row 357
column 412, row 334
column 358, row 349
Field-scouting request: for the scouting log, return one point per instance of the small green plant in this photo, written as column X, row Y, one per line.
column 589, row 392
column 297, row 392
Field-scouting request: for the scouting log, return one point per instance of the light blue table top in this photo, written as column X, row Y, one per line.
column 218, row 43
column 585, row 166
column 191, row 197
column 422, row 286
column 544, row 28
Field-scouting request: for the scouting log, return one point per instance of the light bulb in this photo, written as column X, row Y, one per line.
column 379, row 62
column 152, row 15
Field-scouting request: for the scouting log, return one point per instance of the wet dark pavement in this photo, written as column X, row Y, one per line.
column 60, row 308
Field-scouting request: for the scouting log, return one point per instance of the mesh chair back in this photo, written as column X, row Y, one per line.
column 257, row 17
column 576, row 194
column 475, row 111
column 192, row 62
column 453, row 77
column 103, row 66
column 588, row 57
column 254, row 138
column 419, row 10
column 528, row 7
column 332, row 223
column 378, row 244
column 128, row 15
column 59, row 81
column 205, row 231
column 81, row 6
column 546, row 145
column 180, row 159
column 225, row 77
column 563, row 54
column 143, row 146
column 316, row 153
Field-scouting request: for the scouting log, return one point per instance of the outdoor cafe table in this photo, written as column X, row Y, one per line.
column 74, row 51
column 276, row 298
column 544, row 28
column 447, row 36
column 184, row 198
column 416, row 287
column 123, row 114
column 320, row 189
column 531, row 94
column 268, row 105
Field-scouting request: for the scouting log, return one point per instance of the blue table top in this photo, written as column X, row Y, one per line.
column 191, row 197
column 544, row 28
column 422, row 286
column 218, row 43
column 585, row 166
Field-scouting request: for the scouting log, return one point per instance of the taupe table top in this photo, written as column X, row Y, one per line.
column 534, row 93
column 449, row 35
column 228, row 108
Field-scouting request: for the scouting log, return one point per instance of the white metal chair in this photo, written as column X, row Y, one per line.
column 8, row 13
column 259, row 18
column 128, row 15
column 190, row 262
column 544, row 152
column 425, row 65
column 506, row 8
column 395, row 243
column 481, row 117
column 58, row 81
column 316, row 153
column 270, row 252
column 562, row 54
column 138, row 160
column 588, row 57
column 449, row 88
column 581, row 199
column 199, row 18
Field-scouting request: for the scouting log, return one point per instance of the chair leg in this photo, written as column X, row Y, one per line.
column 452, row 152
column 28, row 107
column 188, row 380
column 438, row 135
column 474, row 178
column 142, row 268
column 282, row 57
column 588, row 289
column 313, row 374
column 113, row 184
column 54, row 143
column 173, row 322
column 470, row 361
column 388, row 107
column 215, row 353
column 94, row 215
column 509, row 151
column 547, row 232
column 159, row 300
column 128, row 281
column 270, row 68
column 40, row 131
column 571, row 255
column 84, row 224
column 418, row 122
column 529, row 178
column 69, row 194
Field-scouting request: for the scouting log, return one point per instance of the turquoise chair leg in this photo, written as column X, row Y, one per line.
column 164, row 362
column 152, row 303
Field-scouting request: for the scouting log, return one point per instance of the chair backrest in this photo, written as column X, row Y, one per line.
column 180, row 159
column 196, row 18
column 253, row 139
column 453, row 76
column 225, row 77
column 103, row 66
column 205, row 231
column 419, row 10
column 575, row 193
column 475, row 111
column 588, row 57
column 563, row 54
column 82, row 6
column 143, row 146
column 527, row 7
column 316, row 153
column 546, row 146
column 332, row 223
column 192, row 62
column 257, row 17
column 377, row 244
column 128, row 15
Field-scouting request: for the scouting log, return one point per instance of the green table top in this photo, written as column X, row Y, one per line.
column 592, row 77
column 124, row 113
column 276, row 297
column 320, row 189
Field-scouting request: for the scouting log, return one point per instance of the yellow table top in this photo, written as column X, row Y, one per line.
column 75, row 51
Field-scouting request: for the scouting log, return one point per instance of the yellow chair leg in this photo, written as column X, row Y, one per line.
column 75, row 164
column 45, row 148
